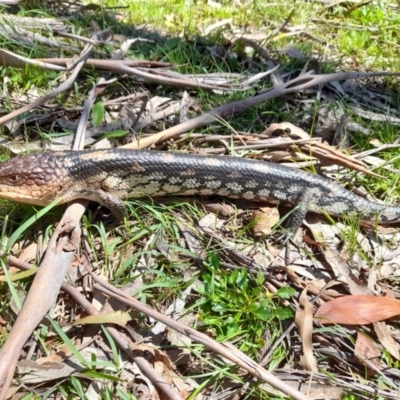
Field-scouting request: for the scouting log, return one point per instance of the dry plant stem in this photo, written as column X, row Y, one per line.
column 274, row 143
column 122, row 342
column 164, row 80
column 235, row 355
column 43, row 292
column 236, row 107
column 79, row 138
column 107, row 65
column 334, row 157
column 131, row 97
column 101, row 85
column 311, row 146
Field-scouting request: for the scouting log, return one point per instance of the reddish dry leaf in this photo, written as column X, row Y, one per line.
column 357, row 310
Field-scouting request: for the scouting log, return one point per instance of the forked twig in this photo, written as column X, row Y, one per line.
column 229, row 110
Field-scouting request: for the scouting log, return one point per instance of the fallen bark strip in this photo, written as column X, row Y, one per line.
column 43, row 292
column 229, row 110
column 122, row 341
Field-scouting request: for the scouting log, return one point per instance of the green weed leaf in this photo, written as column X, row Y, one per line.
column 264, row 314
column 285, row 292
column 97, row 114
column 283, row 313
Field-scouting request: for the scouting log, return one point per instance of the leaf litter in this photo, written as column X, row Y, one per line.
column 345, row 275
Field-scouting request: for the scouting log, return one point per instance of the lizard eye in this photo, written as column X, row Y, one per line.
column 14, row 178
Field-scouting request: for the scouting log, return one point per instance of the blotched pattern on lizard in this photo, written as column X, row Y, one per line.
column 108, row 176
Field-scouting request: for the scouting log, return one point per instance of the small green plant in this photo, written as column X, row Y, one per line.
column 236, row 306
column 97, row 114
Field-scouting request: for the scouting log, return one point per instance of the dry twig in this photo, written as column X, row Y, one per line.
column 229, row 110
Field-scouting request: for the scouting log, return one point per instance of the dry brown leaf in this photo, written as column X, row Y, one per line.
column 52, row 358
column 386, row 339
column 357, row 310
column 32, row 372
column 278, row 156
column 29, row 253
column 221, row 209
column 339, row 266
column 366, row 349
column 159, row 359
column 313, row 390
column 304, row 324
column 287, row 128
column 264, row 219
column 210, row 223
column 163, row 365
column 318, row 285
column 142, row 347
column 118, row 318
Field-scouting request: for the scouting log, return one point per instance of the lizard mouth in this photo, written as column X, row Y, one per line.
column 29, row 197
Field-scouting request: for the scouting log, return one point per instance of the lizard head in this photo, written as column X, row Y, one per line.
column 33, row 179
